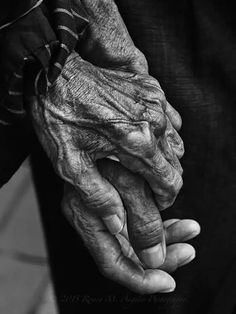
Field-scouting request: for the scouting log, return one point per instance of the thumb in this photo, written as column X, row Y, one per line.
column 145, row 227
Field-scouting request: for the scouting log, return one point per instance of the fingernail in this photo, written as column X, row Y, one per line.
column 113, row 224
column 191, row 235
column 187, row 260
column 153, row 257
column 167, row 290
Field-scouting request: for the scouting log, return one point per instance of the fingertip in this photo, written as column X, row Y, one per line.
column 192, row 229
column 158, row 281
column 178, row 255
column 181, row 231
column 187, row 255
column 184, row 252
column 164, row 282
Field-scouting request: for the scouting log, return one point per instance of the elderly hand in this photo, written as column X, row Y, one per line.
column 90, row 113
column 122, row 257
column 107, row 44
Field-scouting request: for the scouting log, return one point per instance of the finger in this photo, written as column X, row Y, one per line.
column 181, row 230
column 174, row 140
column 127, row 249
column 178, row 255
column 99, row 195
column 117, row 267
column 145, row 226
column 176, row 231
column 169, row 154
column 157, row 120
column 170, row 222
column 154, row 112
column 140, row 153
column 108, row 256
column 174, row 116
column 161, row 123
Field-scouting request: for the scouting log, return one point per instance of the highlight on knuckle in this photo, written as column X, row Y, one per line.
column 141, row 141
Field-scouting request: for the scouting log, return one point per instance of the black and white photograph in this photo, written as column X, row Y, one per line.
column 117, row 156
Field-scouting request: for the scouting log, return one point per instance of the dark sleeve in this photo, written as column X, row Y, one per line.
column 11, row 10
column 39, row 40
column 36, row 40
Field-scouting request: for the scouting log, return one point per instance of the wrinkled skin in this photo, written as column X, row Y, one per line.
column 91, row 112
column 107, row 44
column 115, row 255
column 113, row 108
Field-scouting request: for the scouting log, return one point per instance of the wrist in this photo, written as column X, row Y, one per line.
column 107, row 42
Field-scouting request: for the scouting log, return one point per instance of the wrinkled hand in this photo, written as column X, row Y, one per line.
column 107, row 44
column 90, row 113
column 122, row 257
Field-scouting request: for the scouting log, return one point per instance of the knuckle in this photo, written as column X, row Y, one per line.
column 166, row 204
column 180, row 151
column 176, row 184
column 172, row 135
column 96, row 200
column 101, row 200
column 141, row 141
column 160, row 124
column 167, row 197
column 146, row 233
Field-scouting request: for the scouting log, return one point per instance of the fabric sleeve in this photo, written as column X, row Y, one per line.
column 35, row 38
column 40, row 40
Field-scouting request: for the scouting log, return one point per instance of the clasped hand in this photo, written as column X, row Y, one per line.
column 90, row 113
